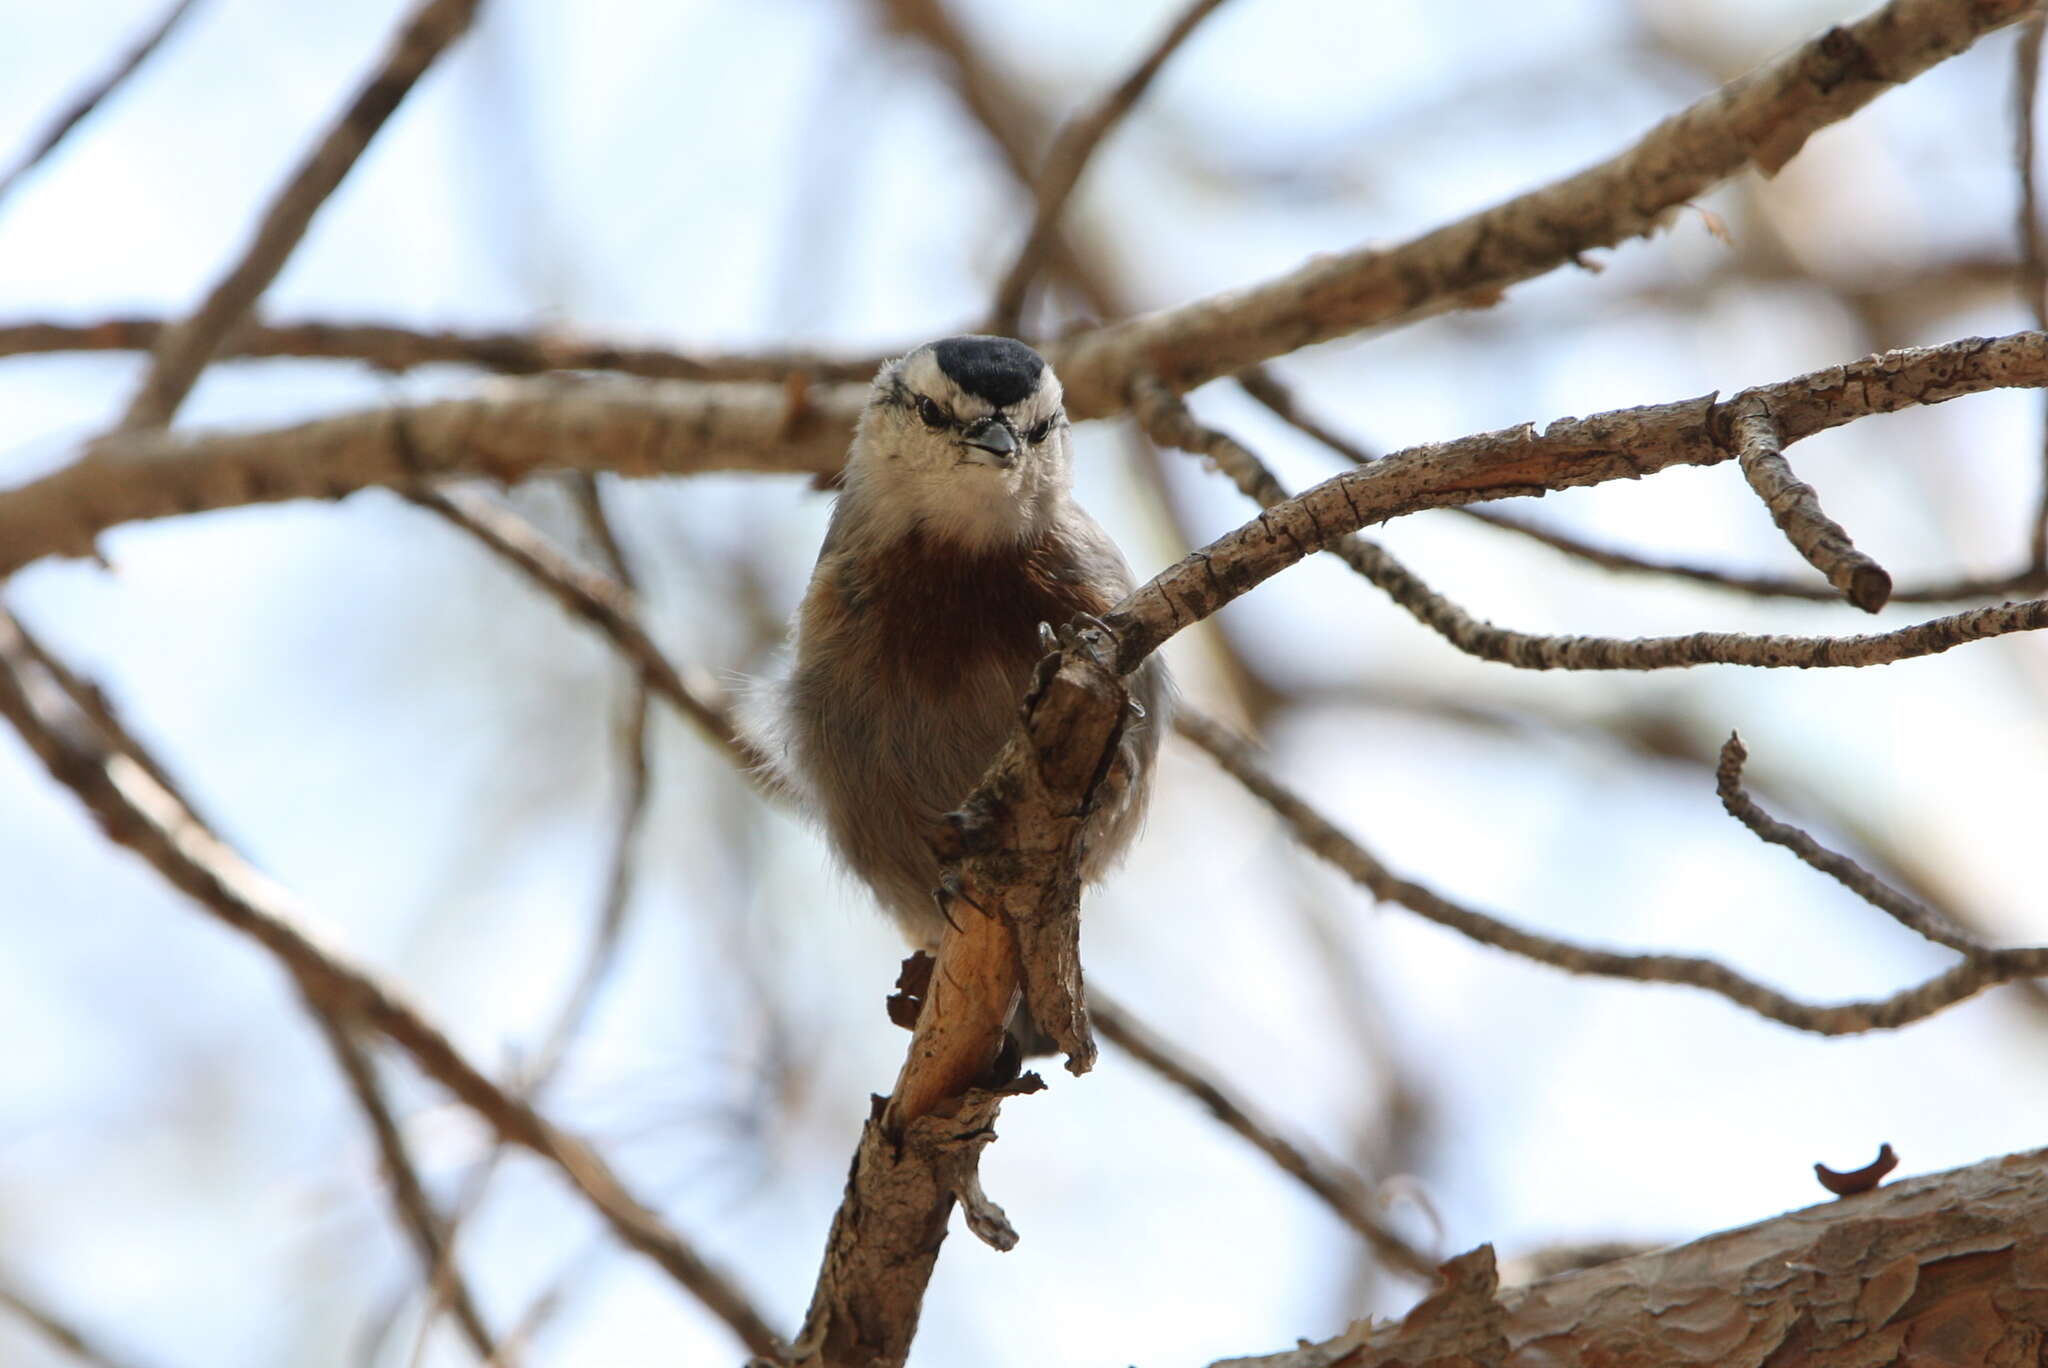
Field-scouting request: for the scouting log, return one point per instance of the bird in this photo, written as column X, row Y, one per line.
column 954, row 538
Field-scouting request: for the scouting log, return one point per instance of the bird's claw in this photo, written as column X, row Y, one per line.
column 950, row 891
column 1085, row 632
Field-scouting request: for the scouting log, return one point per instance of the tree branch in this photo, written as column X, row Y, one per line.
column 1795, row 508
column 415, row 1212
column 1320, row 837
column 1571, row 453
column 395, row 349
column 1922, row 921
column 996, row 105
column 61, row 1332
column 1762, row 119
column 1279, row 399
column 184, row 349
column 92, row 97
column 1945, row 1268
column 514, row 429
column 1071, row 150
column 1014, row 852
column 136, row 811
column 601, row 602
column 1343, row 1192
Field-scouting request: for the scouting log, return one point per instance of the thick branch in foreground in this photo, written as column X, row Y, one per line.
column 1762, row 120
column 1951, row 1268
column 1321, row 837
column 137, row 811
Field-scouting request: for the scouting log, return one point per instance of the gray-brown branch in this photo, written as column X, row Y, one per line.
column 1907, row 912
column 1761, row 120
column 135, row 811
column 1322, row 838
column 183, row 350
column 1795, row 508
column 1575, row 452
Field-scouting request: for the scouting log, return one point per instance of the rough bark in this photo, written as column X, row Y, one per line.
column 1941, row 1271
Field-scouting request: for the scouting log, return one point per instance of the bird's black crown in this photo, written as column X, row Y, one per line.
column 1001, row 370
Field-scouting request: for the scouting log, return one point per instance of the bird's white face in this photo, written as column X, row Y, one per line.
column 963, row 442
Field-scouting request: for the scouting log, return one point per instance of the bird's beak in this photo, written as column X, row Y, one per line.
column 989, row 442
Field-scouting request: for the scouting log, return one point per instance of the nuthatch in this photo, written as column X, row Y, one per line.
column 956, row 535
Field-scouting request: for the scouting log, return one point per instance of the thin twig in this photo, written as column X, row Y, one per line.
column 1344, row 1193
column 92, row 97
column 1321, row 838
column 1908, row 912
column 60, row 1331
column 1001, row 110
column 607, row 931
column 186, row 347
column 600, row 602
column 135, row 811
column 1795, row 508
column 636, row 765
column 408, row 1193
column 2033, row 269
column 394, row 349
column 1071, row 150
column 415, row 1209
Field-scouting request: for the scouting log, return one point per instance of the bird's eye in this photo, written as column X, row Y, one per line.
column 1039, row 433
column 933, row 415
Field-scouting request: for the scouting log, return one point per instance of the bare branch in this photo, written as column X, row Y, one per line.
column 1316, row 833
column 184, row 349
column 2033, row 272
column 636, row 761
column 408, row 1194
column 395, row 349
column 1343, row 1192
column 2024, row 581
column 1941, row 1260
column 1795, row 508
column 61, row 1332
column 1001, row 110
column 1762, row 119
column 1907, row 912
column 1623, row 444
column 1015, row 852
column 1069, row 157
column 600, row 602
column 1279, row 398
column 513, row 429
column 92, row 97
column 135, row 811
